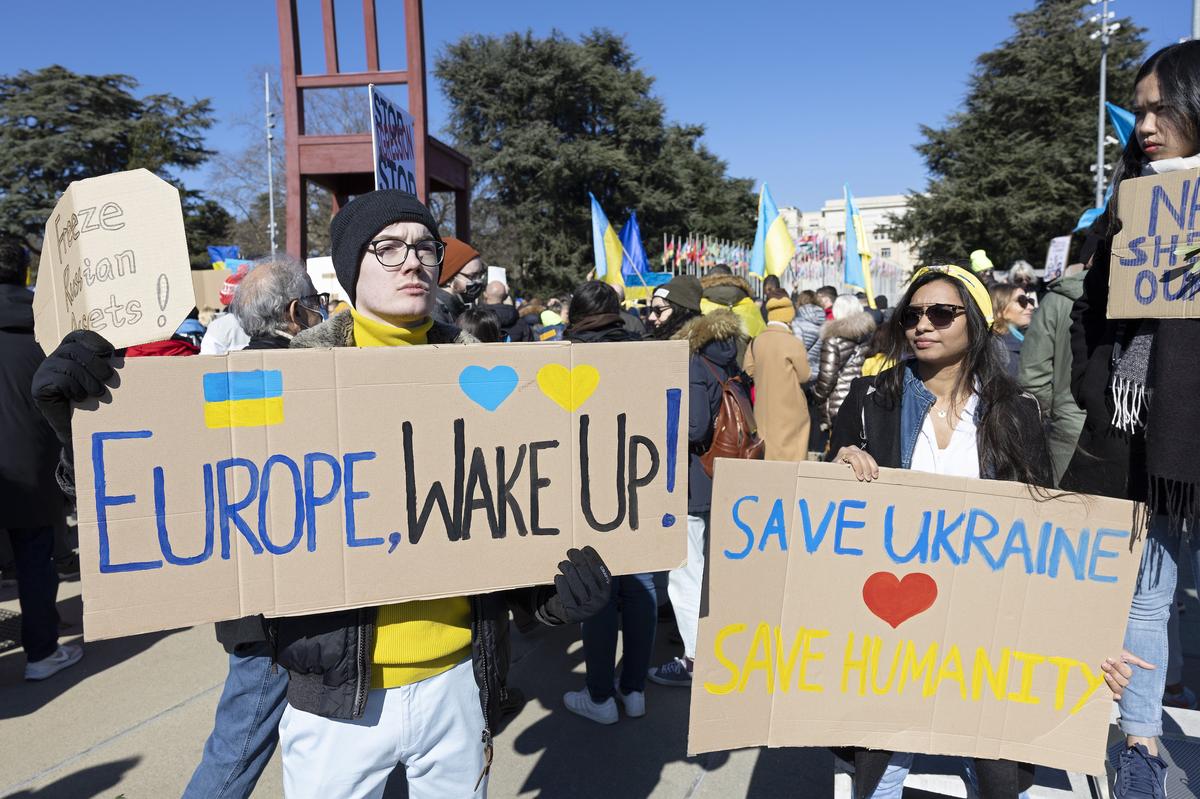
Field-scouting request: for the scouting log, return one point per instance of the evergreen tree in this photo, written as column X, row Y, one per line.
column 1010, row 170
column 57, row 126
column 545, row 121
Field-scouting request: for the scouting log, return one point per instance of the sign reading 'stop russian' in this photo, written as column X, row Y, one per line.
column 1154, row 272
column 393, row 144
column 295, row 481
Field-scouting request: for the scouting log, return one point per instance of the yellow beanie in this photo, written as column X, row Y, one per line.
column 780, row 309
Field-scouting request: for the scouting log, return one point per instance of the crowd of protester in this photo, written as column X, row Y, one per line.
column 994, row 376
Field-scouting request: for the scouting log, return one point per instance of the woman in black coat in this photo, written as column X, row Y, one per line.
column 1136, row 381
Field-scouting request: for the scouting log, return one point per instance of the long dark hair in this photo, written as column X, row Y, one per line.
column 1003, row 449
column 1177, row 68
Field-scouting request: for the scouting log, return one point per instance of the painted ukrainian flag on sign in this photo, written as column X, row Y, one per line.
column 243, row 399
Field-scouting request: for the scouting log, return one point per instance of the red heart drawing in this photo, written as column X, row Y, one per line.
column 896, row 601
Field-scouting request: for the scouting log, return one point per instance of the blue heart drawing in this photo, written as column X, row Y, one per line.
column 488, row 388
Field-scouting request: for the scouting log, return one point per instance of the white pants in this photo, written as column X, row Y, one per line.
column 684, row 585
column 433, row 727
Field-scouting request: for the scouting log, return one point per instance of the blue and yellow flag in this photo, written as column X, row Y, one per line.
column 243, row 399
column 773, row 246
column 607, row 246
column 857, row 271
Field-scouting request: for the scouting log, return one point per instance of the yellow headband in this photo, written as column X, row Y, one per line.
column 975, row 287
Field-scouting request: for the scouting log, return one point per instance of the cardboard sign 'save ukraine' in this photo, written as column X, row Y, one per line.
column 296, row 481
column 916, row 613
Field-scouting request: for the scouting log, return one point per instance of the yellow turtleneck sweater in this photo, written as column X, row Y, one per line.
column 413, row 640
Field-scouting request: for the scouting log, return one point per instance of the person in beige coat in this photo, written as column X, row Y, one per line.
column 778, row 362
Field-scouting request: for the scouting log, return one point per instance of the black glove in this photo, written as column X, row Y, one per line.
column 75, row 371
column 582, row 589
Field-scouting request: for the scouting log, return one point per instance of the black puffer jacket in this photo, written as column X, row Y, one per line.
column 328, row 655
column 844, row 345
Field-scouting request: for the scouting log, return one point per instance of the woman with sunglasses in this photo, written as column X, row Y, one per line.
column 1136, row 381
column 1014, row 312
column 950, row 407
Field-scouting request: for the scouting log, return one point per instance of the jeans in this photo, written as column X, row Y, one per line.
column 37, row 590
column 433, row 727
column 891, row 786
column 246, row 728
column 634, row 598
column 1146, row 635
column 685, row 583
column 1175, row 660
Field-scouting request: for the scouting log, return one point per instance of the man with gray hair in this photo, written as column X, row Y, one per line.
column 274, row 302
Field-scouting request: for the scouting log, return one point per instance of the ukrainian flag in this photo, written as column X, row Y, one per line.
column 857, row 271
column 773, row 247
column 607, row 246
column 243, row 399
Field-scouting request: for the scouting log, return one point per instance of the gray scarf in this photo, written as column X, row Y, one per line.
column 1132, row 376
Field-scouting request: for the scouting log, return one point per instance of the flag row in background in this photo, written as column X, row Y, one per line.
column 696, row 250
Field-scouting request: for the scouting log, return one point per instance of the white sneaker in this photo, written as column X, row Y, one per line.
column 580, row 703
column 634, row 701
column 66, row 655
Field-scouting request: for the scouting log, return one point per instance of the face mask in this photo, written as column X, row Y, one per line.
column 472, row 291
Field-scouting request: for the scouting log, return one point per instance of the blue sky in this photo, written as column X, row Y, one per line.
column 805, row 95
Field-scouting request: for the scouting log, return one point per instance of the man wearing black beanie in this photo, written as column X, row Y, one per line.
column 415, row 683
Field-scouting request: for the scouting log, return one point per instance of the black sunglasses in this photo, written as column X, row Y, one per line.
column 1024, row 301
column 940, row 314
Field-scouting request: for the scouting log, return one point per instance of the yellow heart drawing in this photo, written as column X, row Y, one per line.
column 570, row 388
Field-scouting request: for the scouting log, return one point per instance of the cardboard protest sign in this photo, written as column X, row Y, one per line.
column 320, row 271
column 916, row 613
column 207, row 284
column 1153, row 270
column 1056, row 258
column 393, row 144
column 294, row 481
column 114, row 260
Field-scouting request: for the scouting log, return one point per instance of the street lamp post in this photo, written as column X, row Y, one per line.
column 270, row 123
column 1102, row 33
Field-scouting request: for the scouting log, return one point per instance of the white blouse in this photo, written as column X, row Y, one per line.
column 961, row 457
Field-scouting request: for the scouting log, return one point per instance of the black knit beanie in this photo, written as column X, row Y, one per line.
column 357, row 224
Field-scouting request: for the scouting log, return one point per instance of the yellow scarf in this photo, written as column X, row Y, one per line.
column 372, row 333
column 413, row 640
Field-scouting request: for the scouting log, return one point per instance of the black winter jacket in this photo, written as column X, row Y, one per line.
column 328, row 655
column 29, row 494
column 1106, row 461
